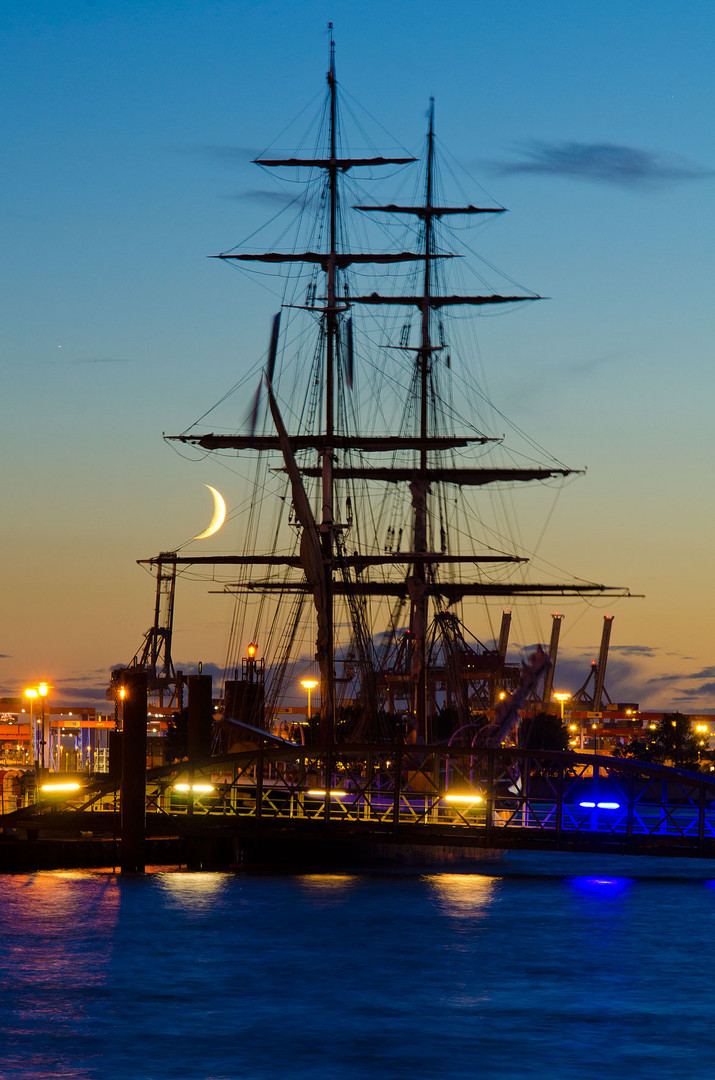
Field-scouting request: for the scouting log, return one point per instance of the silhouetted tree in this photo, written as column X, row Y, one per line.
column 679, row 744
column 544, row 732
column 672, row 740
column 644, row 749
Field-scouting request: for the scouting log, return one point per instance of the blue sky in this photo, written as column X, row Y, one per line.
column 125, row 131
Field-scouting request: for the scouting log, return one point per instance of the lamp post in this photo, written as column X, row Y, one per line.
column 562, row 697
column 309, row 685
column 42, row 691
column 32, row 693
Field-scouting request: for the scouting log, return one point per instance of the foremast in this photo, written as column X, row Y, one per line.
column 331, row 262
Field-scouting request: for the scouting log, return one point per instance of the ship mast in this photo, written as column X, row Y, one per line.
column 327, row 670
column 420, row 486
column 331, row 262
column 425, row 344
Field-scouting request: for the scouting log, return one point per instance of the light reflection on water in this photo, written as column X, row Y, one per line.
column 192, row 888
column 602, row 886
column 463, row 896
column 536, row 968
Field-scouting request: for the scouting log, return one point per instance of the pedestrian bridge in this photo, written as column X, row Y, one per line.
column 401, row 795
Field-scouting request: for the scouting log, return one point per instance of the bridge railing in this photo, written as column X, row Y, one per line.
column 459, row 788
column 543, row 795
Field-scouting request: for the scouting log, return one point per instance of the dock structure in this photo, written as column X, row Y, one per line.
column 376, row 802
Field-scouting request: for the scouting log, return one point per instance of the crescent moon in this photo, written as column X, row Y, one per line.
column 219, row 514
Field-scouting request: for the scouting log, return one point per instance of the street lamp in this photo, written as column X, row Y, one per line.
column 32, row 693
column 42, row 691
column 309, row 685
column 561, row 698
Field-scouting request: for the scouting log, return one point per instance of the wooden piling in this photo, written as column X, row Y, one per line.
column 200, row 717
column 133, row 784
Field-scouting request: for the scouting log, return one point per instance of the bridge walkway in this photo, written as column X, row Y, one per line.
column 398, row 794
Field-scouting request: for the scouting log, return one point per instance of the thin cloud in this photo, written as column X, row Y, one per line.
column 704, row 688
column 90, row 677
column 77, row 694
column 588, row 367
column 657, row 679
column 634, row 650
column 103, row 360
column 603, row 163
column 704, row 673
column 226, row 155
column 273, row 198
column 276, row 198
column 191, row 667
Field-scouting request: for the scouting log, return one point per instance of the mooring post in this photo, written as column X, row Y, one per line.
column 133, row 784
column 200, row 717
column 200, row 733
column 397, row 751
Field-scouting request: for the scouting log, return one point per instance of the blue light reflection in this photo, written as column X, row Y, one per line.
column 601, row 886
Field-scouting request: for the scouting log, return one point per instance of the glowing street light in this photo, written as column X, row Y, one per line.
column 32, row 693
column 561, row 698
column 309, row 685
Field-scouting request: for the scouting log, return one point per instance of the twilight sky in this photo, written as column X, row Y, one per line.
column 127, row 131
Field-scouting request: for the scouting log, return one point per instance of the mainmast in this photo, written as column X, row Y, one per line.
column 422, row 570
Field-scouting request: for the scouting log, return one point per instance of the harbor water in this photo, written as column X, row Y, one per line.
column 558, row 967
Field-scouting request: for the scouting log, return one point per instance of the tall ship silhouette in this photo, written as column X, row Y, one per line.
column 377, row 487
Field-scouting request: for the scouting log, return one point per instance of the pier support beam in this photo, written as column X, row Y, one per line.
column 200, row 717
column 133, row 786
column 199, row 749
